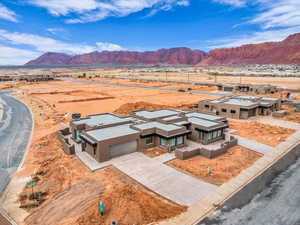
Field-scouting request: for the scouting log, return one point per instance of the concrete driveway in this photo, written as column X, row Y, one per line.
column 163, row 180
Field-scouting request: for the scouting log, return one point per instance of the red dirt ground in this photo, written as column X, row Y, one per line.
column 224, row 167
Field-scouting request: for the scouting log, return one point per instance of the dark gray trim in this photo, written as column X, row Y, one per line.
column 167, row 137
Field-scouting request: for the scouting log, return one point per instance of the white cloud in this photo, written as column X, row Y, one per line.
column 104, row 46
column 278, row 13
column 7, row 14
column 55, row 31
column 235, row 3
column 15, row 56
column 45, row 44
column 94, row 10
column 254, row 38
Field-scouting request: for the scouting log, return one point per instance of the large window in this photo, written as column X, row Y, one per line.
column 77, row 135
column 163, row 142
column 219, row 133
column 209, row 136
column 180, row 140
column 149, row 140
column 172, row 142
column 201, row 135
column 215, row 134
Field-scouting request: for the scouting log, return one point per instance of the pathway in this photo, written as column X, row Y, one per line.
column 253, row 145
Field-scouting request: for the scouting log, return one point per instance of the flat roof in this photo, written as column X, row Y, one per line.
column 269, row 99
column 240, row 102
column 218, row 101
column 182, row 123
column 202, row 122
column 101, row 119
column 171, row 118
column 203, row 116
column 156, row 114
column 246, row 97
column 111, row 132
column 149, row 125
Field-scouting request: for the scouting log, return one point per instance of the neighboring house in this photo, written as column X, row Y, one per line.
column 105, row 136
column 240, row 107
column 248, row 88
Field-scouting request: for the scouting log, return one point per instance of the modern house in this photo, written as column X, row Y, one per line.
column 248, row 88
column 106, row 136
column 240, row 107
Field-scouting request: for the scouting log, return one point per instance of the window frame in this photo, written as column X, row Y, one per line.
column 147, row 139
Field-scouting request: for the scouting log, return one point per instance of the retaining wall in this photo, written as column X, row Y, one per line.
column 68, row 149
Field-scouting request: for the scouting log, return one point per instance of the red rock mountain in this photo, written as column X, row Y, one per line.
column 166, row 56
column 283, row 52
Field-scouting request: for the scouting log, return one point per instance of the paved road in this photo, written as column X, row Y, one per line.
column 15, row 131
column 276, row 205
column 144, row 87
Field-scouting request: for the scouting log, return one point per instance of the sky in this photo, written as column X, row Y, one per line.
column 29, row 28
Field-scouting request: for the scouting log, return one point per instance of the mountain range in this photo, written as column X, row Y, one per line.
column 282, row 52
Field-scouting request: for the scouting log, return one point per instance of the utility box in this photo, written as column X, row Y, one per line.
column 76, row 116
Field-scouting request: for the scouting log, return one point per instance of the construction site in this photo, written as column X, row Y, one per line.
column 151, row 150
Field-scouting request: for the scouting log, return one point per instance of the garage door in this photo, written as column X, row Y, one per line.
column 123, row 149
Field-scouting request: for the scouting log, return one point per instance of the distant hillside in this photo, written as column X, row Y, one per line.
column 283, row 52
column 162, row 56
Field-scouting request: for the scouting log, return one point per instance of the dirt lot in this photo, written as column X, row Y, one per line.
column 224, row 167
column 263, row 133
column 154, row 152
column 157, row 84
column 69, row 97
column 293, row 117
column 277, row 81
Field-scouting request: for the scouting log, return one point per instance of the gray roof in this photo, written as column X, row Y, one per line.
column 101, row 119
column 240, row 102
column 111, row 132
column 150, row 125
column 181, row 123
column 156, row 114
column 269, row 99
column 203, row 116
column 202, row 122
column 246, row 97
column 217, row 101
column 172, row 118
